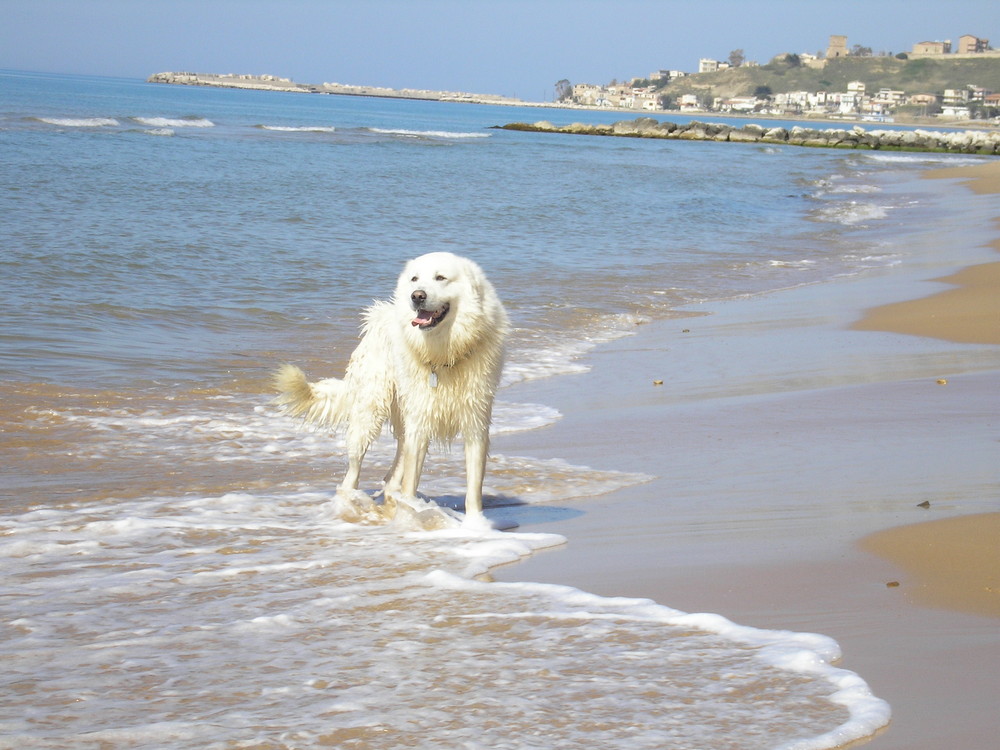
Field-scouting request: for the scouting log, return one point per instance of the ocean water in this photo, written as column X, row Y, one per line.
column 175, row 572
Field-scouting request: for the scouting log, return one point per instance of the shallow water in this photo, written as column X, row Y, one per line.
column 175, row 571
column 259, row 619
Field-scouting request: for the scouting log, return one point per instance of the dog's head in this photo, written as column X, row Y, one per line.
column 448, row 309
column 435, row 287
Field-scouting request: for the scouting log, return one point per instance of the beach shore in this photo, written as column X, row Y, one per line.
column 969, row 313
column 816, row 465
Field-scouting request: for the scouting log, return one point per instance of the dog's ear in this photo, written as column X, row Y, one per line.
column 474, row 278
column 401, row 292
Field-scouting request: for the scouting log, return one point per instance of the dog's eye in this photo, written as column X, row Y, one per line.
column 414, row 278
column 439, row 277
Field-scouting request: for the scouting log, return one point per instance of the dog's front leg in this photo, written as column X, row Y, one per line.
column 414, row 453
column 475, row 472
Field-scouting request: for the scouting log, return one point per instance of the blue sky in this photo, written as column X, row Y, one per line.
column 512, row 47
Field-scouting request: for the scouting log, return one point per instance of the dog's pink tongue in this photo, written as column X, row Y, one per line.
column 423, row 317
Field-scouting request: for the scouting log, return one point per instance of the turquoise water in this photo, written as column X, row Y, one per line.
column 173, row 574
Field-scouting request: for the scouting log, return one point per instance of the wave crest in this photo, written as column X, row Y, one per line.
column 427, row 133
column 80, row 122
column 174, row 122
column 299, row 129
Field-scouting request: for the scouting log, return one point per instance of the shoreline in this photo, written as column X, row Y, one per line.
column 969, row 312
column 954, row 562
column 783, row 437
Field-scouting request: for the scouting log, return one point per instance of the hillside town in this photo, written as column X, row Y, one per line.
column 856, row 101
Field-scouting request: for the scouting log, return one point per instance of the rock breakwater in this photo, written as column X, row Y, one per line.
column 274, row 83
column 984, row 142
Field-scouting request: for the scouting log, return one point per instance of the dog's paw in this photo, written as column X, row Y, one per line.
column 437, row 518
column 417, row 514
column 389, row 508
column 354, row 506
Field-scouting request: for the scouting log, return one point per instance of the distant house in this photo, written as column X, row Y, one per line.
column 789, row 102
column 932, row 48
column 978, row 93
column 624, row 95
column 688, row 103
column 958, row 112
column 972, row 45
column 590, row 95
column 848, row 103
column 739, row 104
column 956, row 97
column 707, row 65
column 666, row 75
column 890, row 97
column 883, row 103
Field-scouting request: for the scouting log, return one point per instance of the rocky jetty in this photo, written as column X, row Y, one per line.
column 986, row 142
column 274, row 83
column 231, row 81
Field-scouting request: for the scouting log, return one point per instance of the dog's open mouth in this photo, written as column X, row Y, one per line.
column 429, row 318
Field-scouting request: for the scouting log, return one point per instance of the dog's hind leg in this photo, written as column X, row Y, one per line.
column 369, row 410
column 394, row 477
column 359, row 439
column 355, row 457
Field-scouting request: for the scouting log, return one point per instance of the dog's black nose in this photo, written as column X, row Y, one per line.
column 418, row 297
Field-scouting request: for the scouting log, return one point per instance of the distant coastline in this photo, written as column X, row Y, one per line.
column 275, row 83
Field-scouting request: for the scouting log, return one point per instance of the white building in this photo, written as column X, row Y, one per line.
column 688, row 103
column 707, row 65
column 739, row 104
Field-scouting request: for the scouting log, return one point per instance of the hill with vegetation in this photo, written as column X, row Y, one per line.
column 786, row 73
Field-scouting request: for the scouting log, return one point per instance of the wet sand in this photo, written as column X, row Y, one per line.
column 969, row 312
column 952, row 563
column 808, row 470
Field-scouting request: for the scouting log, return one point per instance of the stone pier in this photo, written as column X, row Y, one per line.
column 985, row 142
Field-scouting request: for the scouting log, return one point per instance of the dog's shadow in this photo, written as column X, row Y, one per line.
column 502, row 512
column 506, row 508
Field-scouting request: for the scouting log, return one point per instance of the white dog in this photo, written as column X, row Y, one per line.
column 429, row 361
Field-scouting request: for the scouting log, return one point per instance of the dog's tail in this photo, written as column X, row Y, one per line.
column 323, row 402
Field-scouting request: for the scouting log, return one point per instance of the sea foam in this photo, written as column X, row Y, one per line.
column 260, row 618
column 853, row 213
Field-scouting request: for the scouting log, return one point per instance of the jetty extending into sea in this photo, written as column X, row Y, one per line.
column 274, row 83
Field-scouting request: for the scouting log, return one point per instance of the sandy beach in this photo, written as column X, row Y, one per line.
column 818, row 465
